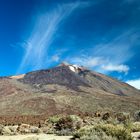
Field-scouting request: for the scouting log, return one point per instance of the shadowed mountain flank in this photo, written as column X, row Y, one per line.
column 61, row 75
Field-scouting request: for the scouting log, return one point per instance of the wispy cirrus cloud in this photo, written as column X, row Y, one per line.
column 110, row 56
column 46, row 25
column 119, row 49
column 43, row 34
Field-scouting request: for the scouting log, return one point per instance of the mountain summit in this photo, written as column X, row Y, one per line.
column 74, row 68
column 66, row 88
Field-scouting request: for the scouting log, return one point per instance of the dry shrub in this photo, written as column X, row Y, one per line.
column 106, row 116
column 123, row 117
column 71, row 122
column 137, row 115
column 65, row 125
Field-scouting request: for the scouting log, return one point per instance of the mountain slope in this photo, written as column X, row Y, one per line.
column 65, row 89
column 110, row 85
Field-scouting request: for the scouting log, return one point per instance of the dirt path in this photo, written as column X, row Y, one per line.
column 35, row 137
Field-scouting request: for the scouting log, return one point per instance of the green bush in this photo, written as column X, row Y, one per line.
column 90, row 133
column 135, row 127
column 114, row 132
column 54, row 119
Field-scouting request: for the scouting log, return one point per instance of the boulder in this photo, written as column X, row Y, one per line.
column 24, row 128
column 47, row 130
column 13, row 128
column 35, row 129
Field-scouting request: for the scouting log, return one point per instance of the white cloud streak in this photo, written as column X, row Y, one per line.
column 100, row 64
column 43, row 34
column 55, row 58
column 87, row 61
column 134, row 83
column 118, row 68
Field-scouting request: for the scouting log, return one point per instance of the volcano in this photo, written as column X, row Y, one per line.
column 65, row 88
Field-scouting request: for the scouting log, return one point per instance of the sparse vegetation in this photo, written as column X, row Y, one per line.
column 104, row 127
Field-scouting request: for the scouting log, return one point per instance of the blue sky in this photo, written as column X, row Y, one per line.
column 103, row 35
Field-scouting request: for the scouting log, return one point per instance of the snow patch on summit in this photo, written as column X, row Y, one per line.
column 74, row 68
